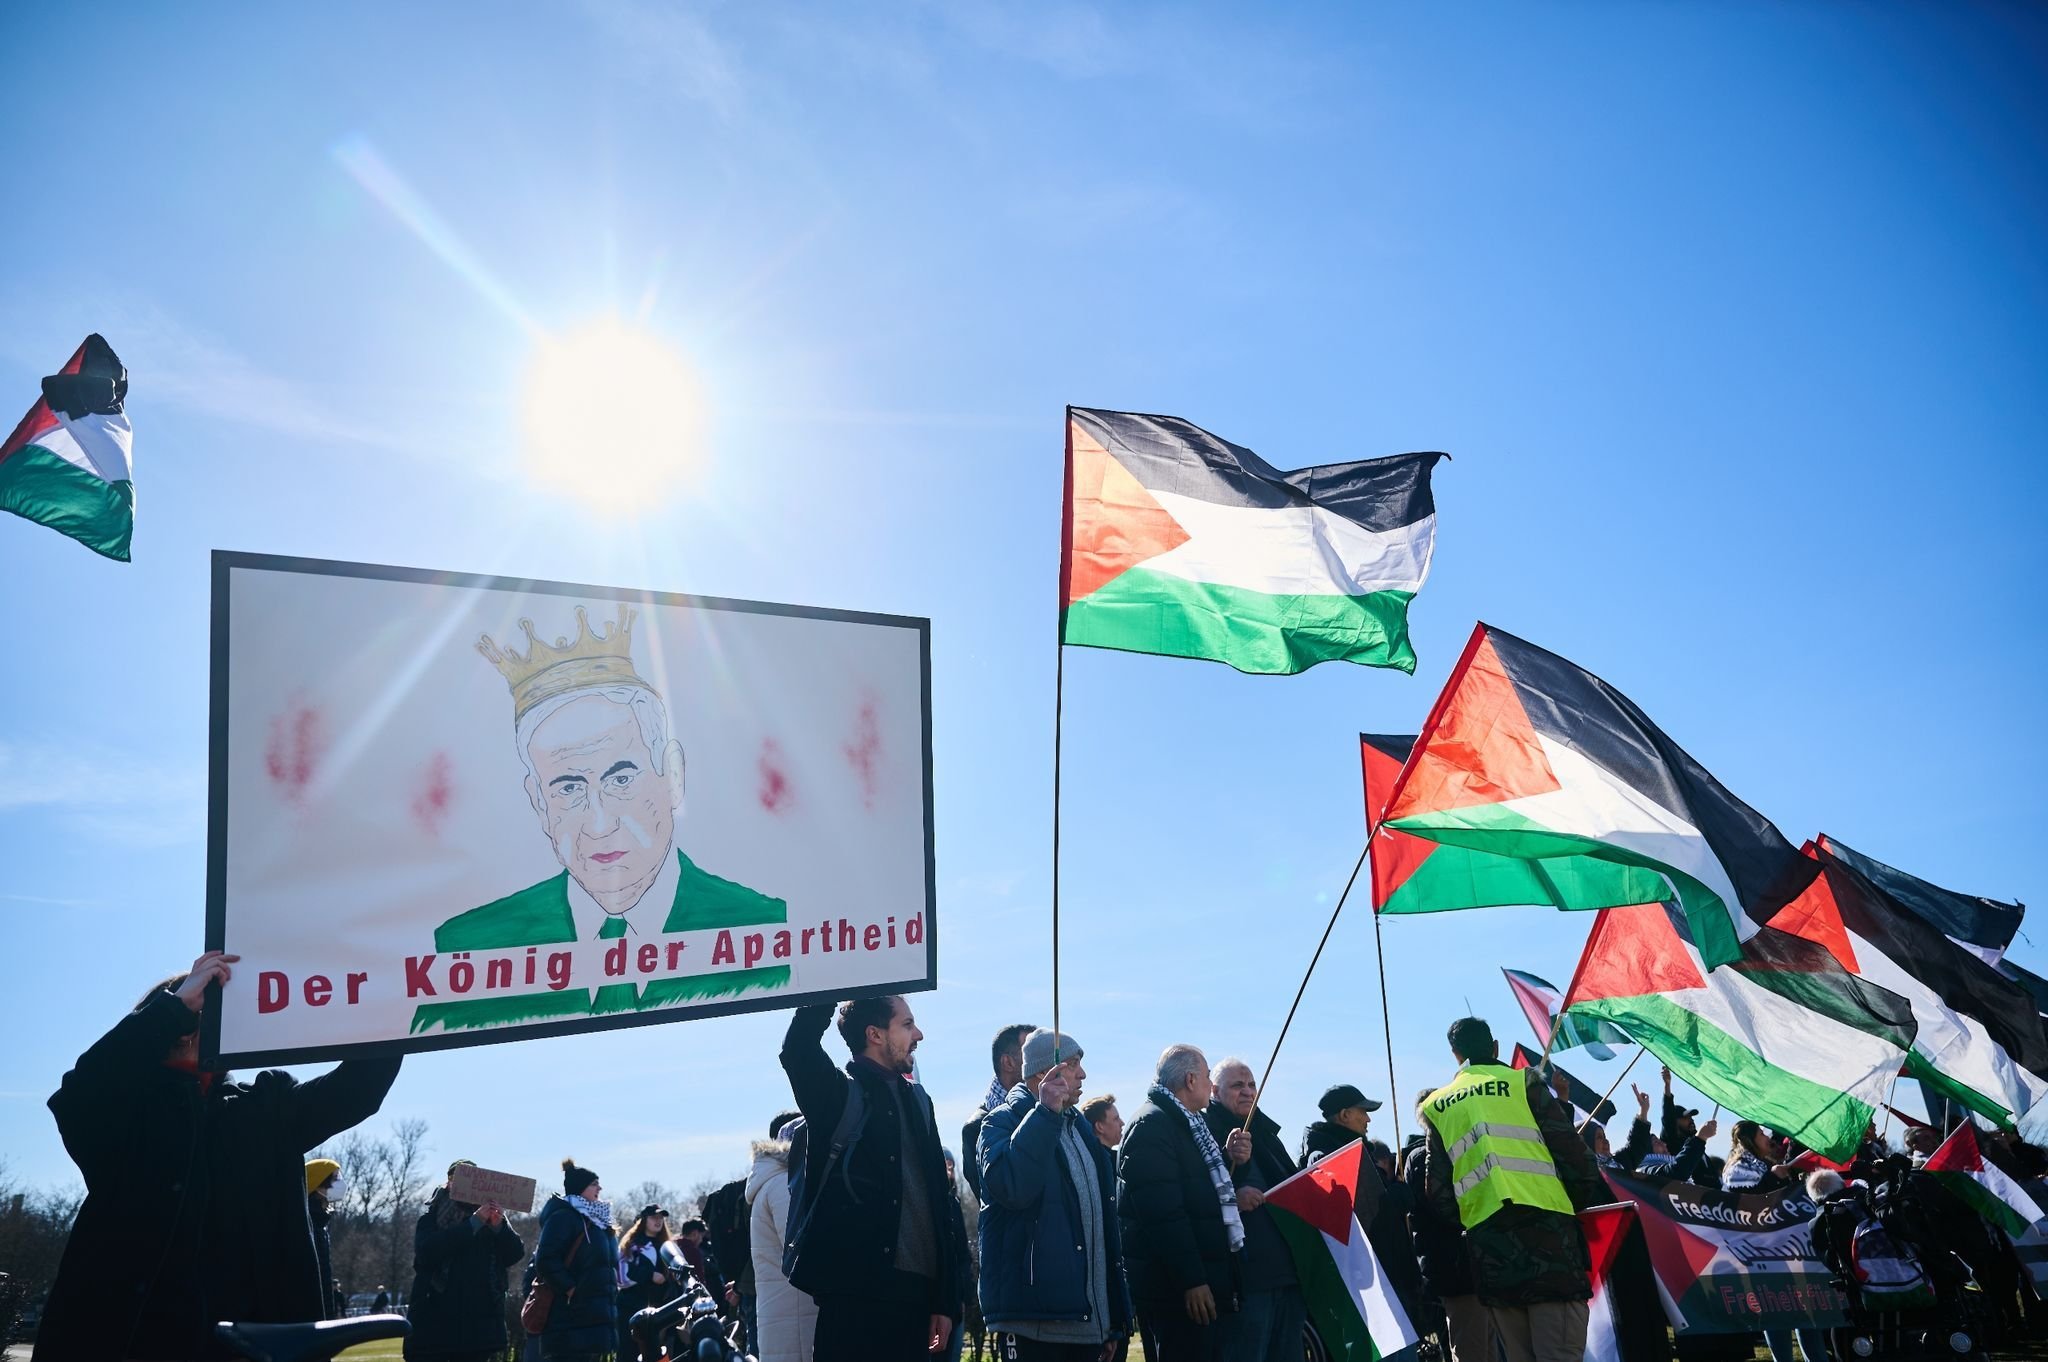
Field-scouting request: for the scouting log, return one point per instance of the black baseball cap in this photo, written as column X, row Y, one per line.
column 1342, row 1098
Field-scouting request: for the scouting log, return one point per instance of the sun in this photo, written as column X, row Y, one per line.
column 613, row 415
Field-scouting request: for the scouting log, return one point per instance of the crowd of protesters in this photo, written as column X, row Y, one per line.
column 1061, row 1231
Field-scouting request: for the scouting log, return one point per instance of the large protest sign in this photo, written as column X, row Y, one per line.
column 1729, row 1262
column 448, row 810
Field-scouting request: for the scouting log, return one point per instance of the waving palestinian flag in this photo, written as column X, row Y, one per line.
column 1350, row 1301
column 1985, row 927
column 1177, row 542
column 1979, row 1039
column 1528, row 756
column 1412, row 875
column 1982, row 1185
column 1785, row 1036
column 67, row 463
column 1539, row 999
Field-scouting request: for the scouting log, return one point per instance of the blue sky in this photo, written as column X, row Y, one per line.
column 1731, row 315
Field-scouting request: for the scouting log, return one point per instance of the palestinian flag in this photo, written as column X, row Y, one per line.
column 1982, row 1185
column 1979, row 1038
column 1528, row 756
column 1984, row 927
column 1411, row 875
column 1539, row 1001
column 67, row 463
column 1585, row 1097
column 1350, row 1302
column 2034, row 984
column 1605, row 1227
column 1785, row 1036
column 1177, row 542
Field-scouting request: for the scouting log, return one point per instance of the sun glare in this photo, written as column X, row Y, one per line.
column 612, row 415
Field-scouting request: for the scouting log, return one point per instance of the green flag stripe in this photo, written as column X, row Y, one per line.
column 1456, row 877
column 37, row 485
column 1982, row 1200
column 1502, row 831
column 1734, row 1075
column 1962, row 1094
column 1156, row 612
column 1330, row 1305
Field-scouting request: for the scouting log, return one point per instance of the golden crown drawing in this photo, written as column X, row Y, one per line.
column 548, row 670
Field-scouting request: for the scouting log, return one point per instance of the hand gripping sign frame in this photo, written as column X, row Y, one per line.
column 372, row 921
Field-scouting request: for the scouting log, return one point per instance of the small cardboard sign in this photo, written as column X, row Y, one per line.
column 478, row 1185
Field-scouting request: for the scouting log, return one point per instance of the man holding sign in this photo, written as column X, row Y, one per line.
column 461, row 1250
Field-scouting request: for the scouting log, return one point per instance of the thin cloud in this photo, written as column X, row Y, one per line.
column 103, row 795
column 669, row 42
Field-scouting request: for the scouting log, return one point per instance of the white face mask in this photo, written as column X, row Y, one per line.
column 335, row 1191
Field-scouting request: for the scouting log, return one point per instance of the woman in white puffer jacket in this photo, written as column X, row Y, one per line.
column 785, row 1319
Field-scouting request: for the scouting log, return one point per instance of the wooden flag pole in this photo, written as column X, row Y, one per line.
column 1387, row 1025
column 1265, row 1077
column 1059, row 678
column 1640, row 1052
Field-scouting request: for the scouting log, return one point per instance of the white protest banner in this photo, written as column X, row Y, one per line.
column 474, row 1185
column 451, row 810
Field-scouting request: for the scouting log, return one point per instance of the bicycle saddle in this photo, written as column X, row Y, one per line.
column 313, row 1342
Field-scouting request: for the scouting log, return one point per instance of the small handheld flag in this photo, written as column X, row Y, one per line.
column 67, row 465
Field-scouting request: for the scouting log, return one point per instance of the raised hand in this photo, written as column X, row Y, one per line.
column 207, row 968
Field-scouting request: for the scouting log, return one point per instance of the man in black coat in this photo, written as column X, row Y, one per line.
column 217, row 1166
column 879, row 1242
column 1447, row 1278
column 1006, row 1057
column 1183, row 1236
column 1269, row 1326
column 460, row 1254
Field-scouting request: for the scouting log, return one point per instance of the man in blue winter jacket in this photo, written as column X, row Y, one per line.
column 1052, row 1280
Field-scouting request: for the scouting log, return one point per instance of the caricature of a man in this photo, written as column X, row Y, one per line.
column 605, row 778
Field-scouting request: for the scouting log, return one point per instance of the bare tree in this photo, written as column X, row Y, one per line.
column 649, row 1193
column 405, row 1187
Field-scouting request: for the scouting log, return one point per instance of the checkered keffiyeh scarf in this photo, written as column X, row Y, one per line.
column 1219, row 1171
column 996, row 1095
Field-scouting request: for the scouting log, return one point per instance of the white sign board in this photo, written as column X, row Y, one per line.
column 450, row 810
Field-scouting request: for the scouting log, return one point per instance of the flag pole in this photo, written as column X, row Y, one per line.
column 1059, row 677
column 1059, row 693
column 1387, row 1025
column 1640, row 1052
column 1260, row 1091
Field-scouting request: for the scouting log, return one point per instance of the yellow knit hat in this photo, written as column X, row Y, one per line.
column 318, row 1171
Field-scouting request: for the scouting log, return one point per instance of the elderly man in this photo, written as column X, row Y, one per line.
column 1183, row 1235
column 1506, row 1163
column 1347, row 1113
column 1052, row 1280
column 1268, row 1327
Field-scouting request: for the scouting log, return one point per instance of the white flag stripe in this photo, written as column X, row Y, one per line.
column 2011, row 1193
column 1292, row 550
column 1385, row 1320
column 1957, row 1046
column 1598, row 806
column 98, row 444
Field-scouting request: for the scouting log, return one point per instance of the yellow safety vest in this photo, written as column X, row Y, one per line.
column 1497, row 1152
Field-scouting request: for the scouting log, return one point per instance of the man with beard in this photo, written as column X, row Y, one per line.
column 878, row 1241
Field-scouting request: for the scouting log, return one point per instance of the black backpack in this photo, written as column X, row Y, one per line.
column 803, row 1194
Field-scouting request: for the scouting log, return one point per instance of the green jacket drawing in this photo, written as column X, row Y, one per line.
column 540, row 916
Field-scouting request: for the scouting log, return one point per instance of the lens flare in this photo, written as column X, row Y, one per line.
column 612, row 415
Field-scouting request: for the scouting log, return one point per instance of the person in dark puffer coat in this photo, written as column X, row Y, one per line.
column 460, row 1254
column 217, row 1166
column 578, row 1255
